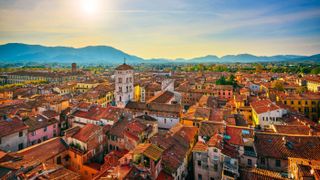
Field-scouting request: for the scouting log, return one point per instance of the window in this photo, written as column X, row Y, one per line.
column 0, row 140
column 306, row 102
column 215, row 167
column 199, row 163
column 59, row 160
column 45, row 129
column 199, row 176
column 278, row 163
column 165, row 120
column 292, row 102
column 33, row 133
column 20, row 146
column 263, row 161
column 299, row 102
column 20, row 134
column 119, row 80
column 249, row 162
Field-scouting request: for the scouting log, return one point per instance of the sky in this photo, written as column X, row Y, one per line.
column 167, row 28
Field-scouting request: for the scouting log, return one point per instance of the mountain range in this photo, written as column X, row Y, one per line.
column 22, row 53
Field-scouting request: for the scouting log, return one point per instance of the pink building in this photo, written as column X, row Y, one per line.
column 41, row 129
column 224, row 91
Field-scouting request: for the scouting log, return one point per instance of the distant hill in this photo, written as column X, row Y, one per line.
column 15, row 52
column 21, row 53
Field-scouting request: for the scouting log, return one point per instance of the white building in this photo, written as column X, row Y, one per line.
column 265, row 113
column 13, row 134
column 124, row 90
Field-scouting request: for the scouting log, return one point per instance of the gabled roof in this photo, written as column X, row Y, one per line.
column 259, row 174
column 39, row 153
column 150, row 150
column 86, row 132
column 200, row 147
column 284, row 146
column 265, row 105
column 10, row 126
column 38, row 122
column 163, row 97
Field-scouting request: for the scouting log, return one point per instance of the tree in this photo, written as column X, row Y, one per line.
column 301, row 89
column 278, row 85
column 315, row 70
column 259, row 68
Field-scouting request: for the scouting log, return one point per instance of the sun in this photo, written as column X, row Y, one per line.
column 90, row 6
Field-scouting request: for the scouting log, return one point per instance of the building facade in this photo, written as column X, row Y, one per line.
column 124, row 90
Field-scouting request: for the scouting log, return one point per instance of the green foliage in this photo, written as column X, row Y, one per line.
column 278, row 85
column 229, row 81
column 259, row 68
column 315, row 70
column 301, row 89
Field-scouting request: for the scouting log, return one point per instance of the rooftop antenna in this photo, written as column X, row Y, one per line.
column 124, row 60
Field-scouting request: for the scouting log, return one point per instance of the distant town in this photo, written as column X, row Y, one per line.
column 160, row 121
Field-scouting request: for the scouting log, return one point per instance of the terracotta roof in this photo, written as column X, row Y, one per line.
column 39, row 122
column 200, row 147
column 259, row 174
column 54, row 171
column 10, row 126
column 163, row 97
column 50, row 113
column 292, row 129
column 98, row 113
column 150, row 150
column 262, row 106
column 123, row 67
column 284, row 146
column 170, row 108
column 238, row 134
column 209, row 128
column 39, row 153
column 118, row 128
column 86, row 132
column 230, row 151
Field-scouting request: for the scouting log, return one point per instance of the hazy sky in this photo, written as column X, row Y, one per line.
column 167, row 28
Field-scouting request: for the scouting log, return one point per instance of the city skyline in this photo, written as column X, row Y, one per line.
column 171, row 29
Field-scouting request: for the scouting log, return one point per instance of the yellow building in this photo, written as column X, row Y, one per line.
column 242, row 106
column 6, row 94
column 313, row 85
column 195, row 115
column 137, row 92
column 85, row 86
column 307, row 104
